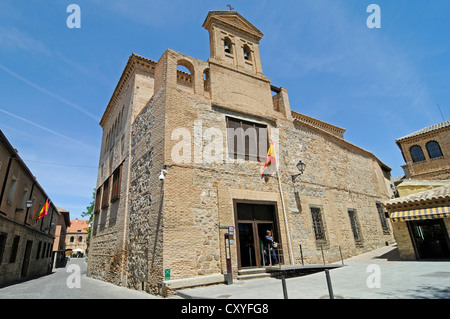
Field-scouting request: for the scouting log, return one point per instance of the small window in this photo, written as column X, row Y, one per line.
column 12, row 189
column 72, row 239
column 434, row 150
column 38, row 254
column 23, row 203
column 105, row 197
column 2, row 245
column 227, row 45
column 49, row 252
column 185, row 74
column 98, row 197
column 117, row 178
column 355, row 226
column 247, row 53
column 206, row 80
column 417, row 154
column 44, row 249
column 382, row 216
column 319, row 228
column 14, row 249
column 95, row 224
column 80, row 239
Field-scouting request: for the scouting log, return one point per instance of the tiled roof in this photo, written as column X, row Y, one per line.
column 432, row 194
column 78, row 226
column 426, row 130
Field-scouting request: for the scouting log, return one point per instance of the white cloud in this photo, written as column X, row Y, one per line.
column 49, row 93
column 12, row 39
column 45, row 129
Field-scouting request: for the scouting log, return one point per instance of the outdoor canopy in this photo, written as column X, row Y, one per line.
column 420, row 214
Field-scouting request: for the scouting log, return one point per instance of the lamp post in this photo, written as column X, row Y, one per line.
column 301, row 167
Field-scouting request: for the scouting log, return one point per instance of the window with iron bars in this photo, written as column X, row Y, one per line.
column 381, row 214
column 355, row 226
column 318, row 225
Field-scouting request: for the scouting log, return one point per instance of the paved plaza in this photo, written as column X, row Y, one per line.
column 375, row 275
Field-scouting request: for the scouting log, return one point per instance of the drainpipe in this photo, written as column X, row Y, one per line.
column 28, row 208
column 6, row 179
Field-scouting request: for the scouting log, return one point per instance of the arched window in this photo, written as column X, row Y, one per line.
column 434, row 150
column 185, row 73
column 417, row 154
column 227, row 45
column 72, row 239
column 80, row 239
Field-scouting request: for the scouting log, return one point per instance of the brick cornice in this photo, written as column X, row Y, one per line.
column 135, row 62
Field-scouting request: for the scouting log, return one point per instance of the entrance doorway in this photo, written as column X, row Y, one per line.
column 253, row 221
column 26, row 258
column 430, row 238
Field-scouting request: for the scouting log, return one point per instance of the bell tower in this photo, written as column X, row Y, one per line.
column 234, row 42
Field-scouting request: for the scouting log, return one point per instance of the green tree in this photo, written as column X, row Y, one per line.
column 90, row 214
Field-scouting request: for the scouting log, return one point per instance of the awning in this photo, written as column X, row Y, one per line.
column 420, row 214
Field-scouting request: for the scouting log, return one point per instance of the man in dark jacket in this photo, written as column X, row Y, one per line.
column 269, row 245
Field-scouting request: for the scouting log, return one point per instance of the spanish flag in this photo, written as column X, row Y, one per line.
column 271, row 161
column 44, row 210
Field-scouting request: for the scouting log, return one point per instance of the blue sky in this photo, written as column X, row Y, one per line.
column 55, row 82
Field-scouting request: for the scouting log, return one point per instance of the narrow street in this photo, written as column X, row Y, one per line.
column 70, row 282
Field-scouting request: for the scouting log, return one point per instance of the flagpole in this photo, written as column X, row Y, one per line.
column 291, row 254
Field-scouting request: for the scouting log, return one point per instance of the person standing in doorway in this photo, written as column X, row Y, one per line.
column 270, row 244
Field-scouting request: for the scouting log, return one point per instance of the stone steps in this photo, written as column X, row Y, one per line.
column 252, row 273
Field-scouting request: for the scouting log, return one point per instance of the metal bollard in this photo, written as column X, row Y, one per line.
column 301, row 255
column 330, row 288
column 279, row 256
column 342, row 258
column 283, row 282
column 323, row 257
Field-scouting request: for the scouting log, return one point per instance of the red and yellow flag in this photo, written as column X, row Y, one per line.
column 44, row 210
column 271, row 161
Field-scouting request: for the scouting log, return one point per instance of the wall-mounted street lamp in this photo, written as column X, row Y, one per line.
column 163, row 174
column 29, row 203
column 52, row 225
column 301, row 168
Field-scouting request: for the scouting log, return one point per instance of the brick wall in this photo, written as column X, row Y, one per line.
column 175, row 224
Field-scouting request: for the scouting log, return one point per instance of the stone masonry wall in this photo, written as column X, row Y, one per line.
column 200, row 196
column 145, row 230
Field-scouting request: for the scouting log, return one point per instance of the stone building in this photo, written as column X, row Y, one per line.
column 76, row 238
column 422, row 210
column 25, row 243
column 180, row 166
